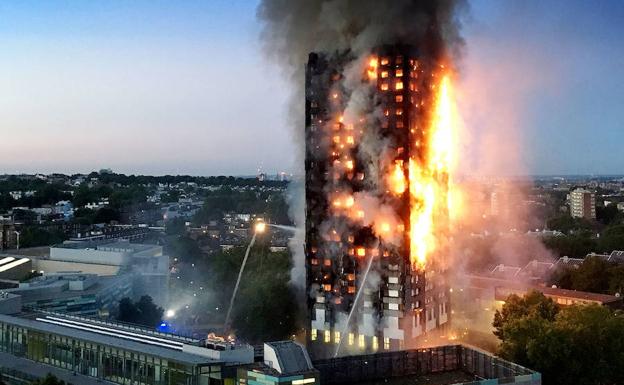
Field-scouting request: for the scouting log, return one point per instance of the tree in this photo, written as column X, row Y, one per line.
column 143, row 312
column 106, row 215
column 49, row 380
column 265, row 307
column 591, row 275
column 175, row 226
column 519, row 317
column 33, row 236
column 566, row 224
column 185, row 249
column 612, row 238
column 581, row 344
column 608, row 215
column 575, row 246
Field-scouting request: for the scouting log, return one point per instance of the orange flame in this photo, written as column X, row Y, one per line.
column 397, row 178
column 429, row 178
column 373, row 63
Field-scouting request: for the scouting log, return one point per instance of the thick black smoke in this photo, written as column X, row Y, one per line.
column 293, row 28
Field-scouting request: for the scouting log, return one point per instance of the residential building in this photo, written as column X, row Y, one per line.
column 583, row 204
column 407, row 300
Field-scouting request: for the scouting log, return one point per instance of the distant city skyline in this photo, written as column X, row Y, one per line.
column 183, row 88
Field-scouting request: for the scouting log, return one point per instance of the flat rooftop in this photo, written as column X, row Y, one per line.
column 117, row 246
column 138, row 340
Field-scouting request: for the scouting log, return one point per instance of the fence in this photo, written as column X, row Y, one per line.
column 418, row 362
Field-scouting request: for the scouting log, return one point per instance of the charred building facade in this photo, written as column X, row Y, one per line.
column 375, row 211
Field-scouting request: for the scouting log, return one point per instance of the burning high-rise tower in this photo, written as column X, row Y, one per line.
column 378, row 149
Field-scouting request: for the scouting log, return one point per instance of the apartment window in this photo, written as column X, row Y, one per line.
column 384, row 74
column 327, row 287
column 393, row 293
column 399, row 111
column 399, row 124
column 351, row 338
column 398, row 98
column 398, row 86
column 327, row 334
column 375, row 343
column 361, row 341
column 384, row 61
column 313, row 334
column 386, row 343
column 337, row 337
column 327, row 262
column 384, row 86
column 393, row 306
column 398, row 73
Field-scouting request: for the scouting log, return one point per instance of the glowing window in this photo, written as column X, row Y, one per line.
column 351, row 290
column 327, row 262
column 361, row 252
column 351, row 338
column 375, row 343
column 398, row 73
column 313, row 334
column 399, row 111
column 398, row 98
column 398, row 86
column 384, row 61
column 314, row 261
column 361, row 341
column 336, row 139
column 387, row 343
column 387, row 112
column 327, row 336
column 384, row 74
column 327, row 287
column 384, row 86
column 350, row 140
column 337, row 337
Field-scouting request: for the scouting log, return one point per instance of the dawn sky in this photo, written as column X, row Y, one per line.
column 161, row 87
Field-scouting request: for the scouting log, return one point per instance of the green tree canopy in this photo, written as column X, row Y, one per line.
column 49, row 380
column 143, row 312
column 581, row 344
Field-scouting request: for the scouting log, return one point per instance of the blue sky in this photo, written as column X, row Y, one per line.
column 182, row 87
